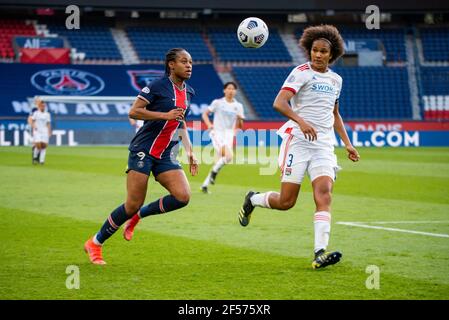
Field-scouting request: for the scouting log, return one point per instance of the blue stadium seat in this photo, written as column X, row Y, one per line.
column 435, row 43
column 151, row 43
column 392, row 39
column 368, row 92
column 96, row 41
column 435, row 80
column 229, row 49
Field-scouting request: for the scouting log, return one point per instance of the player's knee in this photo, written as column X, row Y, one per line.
column 132, row 207
column 286, row 204
column 183, row 197
column 324, row 197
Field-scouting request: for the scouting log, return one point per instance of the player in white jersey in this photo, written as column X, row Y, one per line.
column 228, row 117
column 313, row 91
column 30, row 124
column 41, row 126
column 136, row 124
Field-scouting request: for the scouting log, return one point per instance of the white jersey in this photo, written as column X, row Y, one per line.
column 315, row 96
column 139, row 124
column 41, row 120
column 225, row 113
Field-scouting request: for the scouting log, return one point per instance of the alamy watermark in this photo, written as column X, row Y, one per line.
column 373, row 280
column 73, row 20
column 73, row 279
column 372, row 18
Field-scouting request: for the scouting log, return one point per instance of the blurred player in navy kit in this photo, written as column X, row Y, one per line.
column 162, row 104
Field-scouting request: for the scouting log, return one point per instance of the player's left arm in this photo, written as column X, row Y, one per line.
column 193, row 162
column 49, row 125
column 239, row 120
column 339, row 126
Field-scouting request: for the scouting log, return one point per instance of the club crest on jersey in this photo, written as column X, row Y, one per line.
column 141, row 78
column 67, row 82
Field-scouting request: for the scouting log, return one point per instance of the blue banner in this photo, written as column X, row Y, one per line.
column 120, row 132
column 27, row 80
column 39, row 42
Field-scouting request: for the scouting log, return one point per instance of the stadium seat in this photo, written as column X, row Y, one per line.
column 151, row 43
column 368, row 92
column 229, row 49
column 435, row 43
column 435, row 92
column 393, row 39
column 96, row 41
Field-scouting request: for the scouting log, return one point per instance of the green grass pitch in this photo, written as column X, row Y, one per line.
column 201, row 252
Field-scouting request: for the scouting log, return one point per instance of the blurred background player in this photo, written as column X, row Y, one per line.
column 30, row 124
column 41, row 128
column 313, row 91
column 228, row 117
column 136, row 124
column 162, row 104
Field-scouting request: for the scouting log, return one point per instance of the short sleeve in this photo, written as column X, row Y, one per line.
column 213, row 106
column 148, row 93
column 48, row 117
column 340, row 85
column 295, row 80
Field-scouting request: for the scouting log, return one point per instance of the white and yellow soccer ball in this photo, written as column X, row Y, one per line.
column 252, row 32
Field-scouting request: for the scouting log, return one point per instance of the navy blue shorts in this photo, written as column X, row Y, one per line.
column 144, row 163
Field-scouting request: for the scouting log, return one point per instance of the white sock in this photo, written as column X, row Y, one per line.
column 261, row 199
column 322, row 223
column 206, row 181
column 42, row 156
column 36, row 152
column 220, row 163
column 95, row 240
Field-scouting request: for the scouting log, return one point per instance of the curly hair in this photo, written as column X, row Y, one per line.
column 327, row 32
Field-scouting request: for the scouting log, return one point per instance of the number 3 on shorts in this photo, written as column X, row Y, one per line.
column 290, row 160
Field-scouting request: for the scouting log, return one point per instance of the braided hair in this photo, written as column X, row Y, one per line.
column 171, row 56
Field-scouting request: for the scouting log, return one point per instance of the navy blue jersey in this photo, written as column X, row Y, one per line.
column 155, row 136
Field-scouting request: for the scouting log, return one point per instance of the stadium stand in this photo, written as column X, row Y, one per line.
column 152, row 43
column 393, row 39
column 95, row 41
column 435, row 92
column 260, row 73
column 9, row 29
column 435, row 43
column 365, row 93
column 228, row 49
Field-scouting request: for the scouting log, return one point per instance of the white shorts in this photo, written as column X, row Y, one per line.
column 40, row 137
column 295, row 159
column 222, row 139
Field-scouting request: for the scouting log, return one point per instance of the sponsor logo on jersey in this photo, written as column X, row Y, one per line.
column 323, row 87
column 67, row 82
column 141, row 78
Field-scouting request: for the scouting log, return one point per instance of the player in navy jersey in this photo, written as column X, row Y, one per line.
column 162, row 105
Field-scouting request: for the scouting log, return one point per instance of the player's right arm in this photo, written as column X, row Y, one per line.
column 295, row 81
column 207, row 112
column 205, row 117
column 282, row 106
column 138, row 110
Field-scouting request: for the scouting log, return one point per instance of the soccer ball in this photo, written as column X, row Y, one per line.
column 252, row 32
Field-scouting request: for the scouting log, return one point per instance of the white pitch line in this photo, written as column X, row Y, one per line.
column 405, row 222
column 440, row 235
